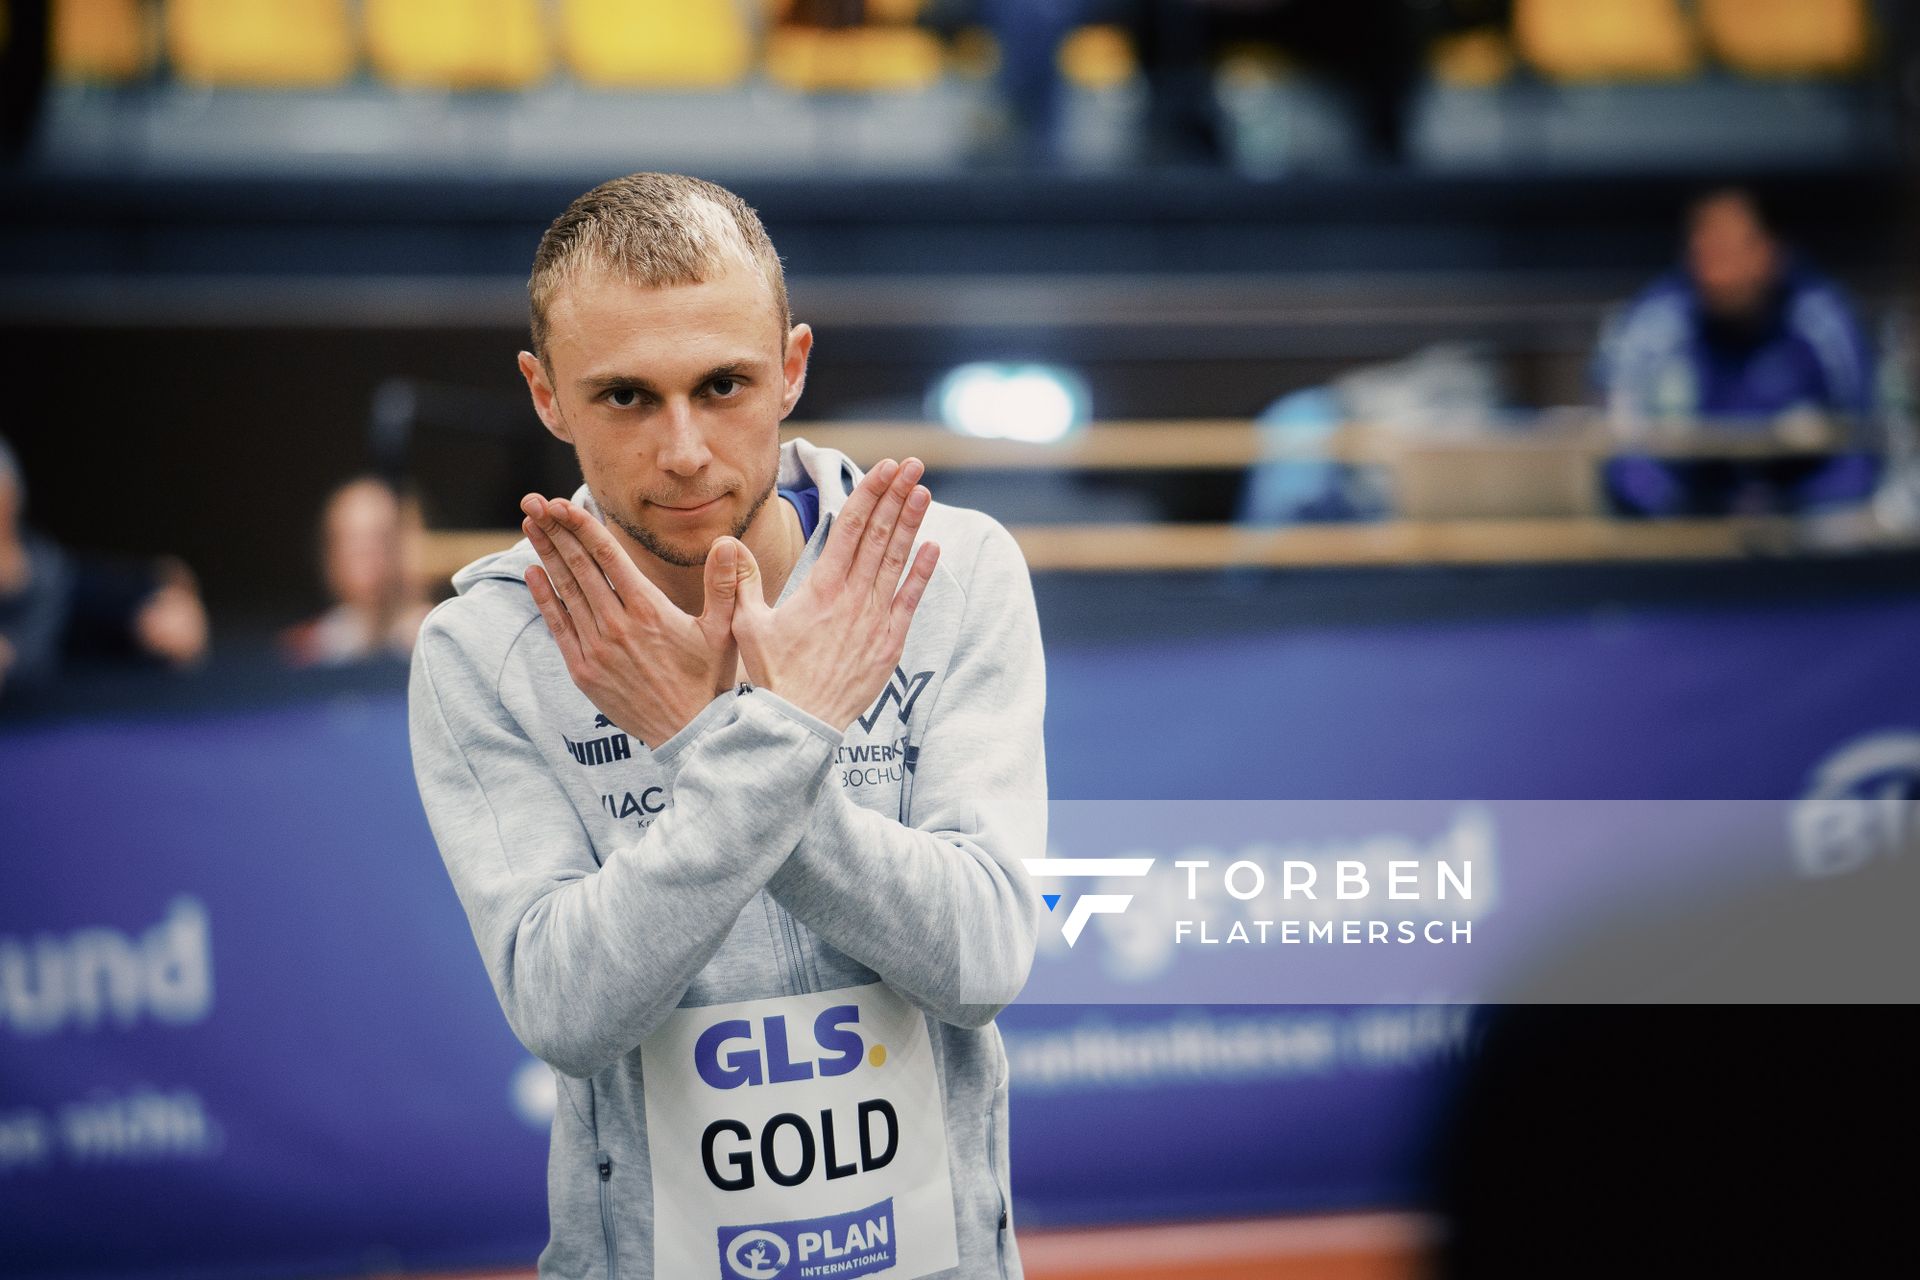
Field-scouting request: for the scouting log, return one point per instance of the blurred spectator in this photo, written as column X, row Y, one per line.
column 24, row 41
column 1371, row 51
column 58, row 608
column 1744, row 335
column 1029, row 34
column 1440, row 392
column 369, row 536
column 832, row 14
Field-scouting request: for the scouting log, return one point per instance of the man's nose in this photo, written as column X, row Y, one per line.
column 683, row 449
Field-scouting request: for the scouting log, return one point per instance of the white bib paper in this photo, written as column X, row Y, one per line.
column 798, row 1138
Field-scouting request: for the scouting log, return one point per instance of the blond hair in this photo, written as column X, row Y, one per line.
column 652, row 229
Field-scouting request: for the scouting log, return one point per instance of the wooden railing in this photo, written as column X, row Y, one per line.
column 1528, row 497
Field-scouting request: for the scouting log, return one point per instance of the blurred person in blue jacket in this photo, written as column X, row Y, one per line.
column 1744, row 335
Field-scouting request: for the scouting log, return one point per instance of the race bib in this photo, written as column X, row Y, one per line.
column 798, row 1138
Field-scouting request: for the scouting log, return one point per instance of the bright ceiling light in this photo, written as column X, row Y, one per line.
column 1034, row 403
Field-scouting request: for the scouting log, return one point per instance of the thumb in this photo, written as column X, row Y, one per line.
column 732, row 578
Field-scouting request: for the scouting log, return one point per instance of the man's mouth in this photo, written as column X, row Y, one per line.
column 692, row 509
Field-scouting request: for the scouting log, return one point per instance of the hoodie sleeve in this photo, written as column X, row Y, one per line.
column 587, row 958
column 943, row 909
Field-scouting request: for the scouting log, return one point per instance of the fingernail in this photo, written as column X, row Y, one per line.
column 918, row 498
column 531, row 504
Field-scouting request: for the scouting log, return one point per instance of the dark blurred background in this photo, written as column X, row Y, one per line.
column 222, row 234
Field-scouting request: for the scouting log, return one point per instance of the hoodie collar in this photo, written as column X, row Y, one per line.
column 801, row 462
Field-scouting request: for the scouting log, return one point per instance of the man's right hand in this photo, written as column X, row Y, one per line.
column 645, row 664
column 831, row 647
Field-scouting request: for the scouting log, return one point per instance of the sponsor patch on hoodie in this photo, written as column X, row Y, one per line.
column 839, row 1244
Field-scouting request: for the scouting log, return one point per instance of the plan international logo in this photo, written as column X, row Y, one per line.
column 1087, row 905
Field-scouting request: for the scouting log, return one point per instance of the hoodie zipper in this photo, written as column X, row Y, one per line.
column 605, row 1163
column 993, row 1172
column 790, row 943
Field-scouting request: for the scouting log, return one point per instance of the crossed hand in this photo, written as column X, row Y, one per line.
column 650, row 667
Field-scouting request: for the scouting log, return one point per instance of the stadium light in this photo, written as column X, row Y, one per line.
column 1035, row 403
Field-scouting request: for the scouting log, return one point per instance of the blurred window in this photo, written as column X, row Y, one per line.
column 1605, row 40
column 458, row 44
column 656, row 44
column 261, row 43
column 845, row 46
column 1100, row 56
column 107, row 41
column 1788, row 38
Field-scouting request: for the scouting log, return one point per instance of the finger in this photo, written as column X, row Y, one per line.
column 615, row 564
column 721, row 582
column 554, row 612
column 750, row 594
column 850, row 523
column 907, row 599
column 900, row 546
column 565, row 587
column 597, row 595
column 883, row 521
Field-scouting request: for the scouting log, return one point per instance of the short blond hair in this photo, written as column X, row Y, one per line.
column 652, row 229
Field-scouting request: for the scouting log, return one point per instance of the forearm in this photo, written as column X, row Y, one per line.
column 945, row 917
column 586, row 962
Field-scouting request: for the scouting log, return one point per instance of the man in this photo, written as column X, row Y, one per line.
column 1745, row 334
column 740, row 846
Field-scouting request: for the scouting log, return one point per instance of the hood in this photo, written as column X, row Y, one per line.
column 830, row 470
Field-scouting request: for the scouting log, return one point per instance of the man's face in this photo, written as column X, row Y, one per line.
column 672, row 398
column 1733, row 259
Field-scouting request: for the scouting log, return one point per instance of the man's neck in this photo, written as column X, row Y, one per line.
column 773, row 537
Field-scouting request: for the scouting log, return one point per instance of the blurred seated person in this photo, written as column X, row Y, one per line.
column 60, row 609
column 368, row 535
column 1371, row 52
column 1744, row 336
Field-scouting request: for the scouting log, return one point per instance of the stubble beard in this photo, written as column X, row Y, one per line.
column 664, row 550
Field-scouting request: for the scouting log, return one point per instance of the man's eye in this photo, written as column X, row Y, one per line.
column 724, row 387
column 623, row 397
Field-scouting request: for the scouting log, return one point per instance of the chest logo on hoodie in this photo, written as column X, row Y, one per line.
column 903, row 690
column 595, row 751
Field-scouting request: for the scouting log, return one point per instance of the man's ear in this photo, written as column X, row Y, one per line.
column 794, row 367
column 534, row 370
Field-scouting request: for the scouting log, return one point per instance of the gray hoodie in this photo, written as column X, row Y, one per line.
column 756, row 860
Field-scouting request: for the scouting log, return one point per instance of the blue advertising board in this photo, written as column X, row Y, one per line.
column 244, row 1029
